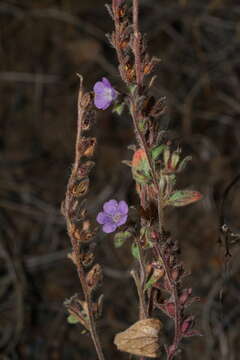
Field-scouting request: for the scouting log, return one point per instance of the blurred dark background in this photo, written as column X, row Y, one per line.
column 43, row 44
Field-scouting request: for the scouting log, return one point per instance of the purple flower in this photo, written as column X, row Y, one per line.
column 104, row 94
column 114, row 214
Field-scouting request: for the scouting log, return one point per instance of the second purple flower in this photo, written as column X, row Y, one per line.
column 104, row 94
column 114, row 214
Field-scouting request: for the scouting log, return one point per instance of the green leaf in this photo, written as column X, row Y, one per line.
column 142, row 125
column 71, row 319
column 157, row 151
column 135, row 251
column 183, row 197
column 140, row 167
column 132, row 88
column 121, row 237
column 184, row 163
column 118, row 108
column 150, row 282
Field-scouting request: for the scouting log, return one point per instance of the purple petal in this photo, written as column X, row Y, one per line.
column 98, row 87
column 106, row 82
column 109, row 228
column 101, row 102
column 122, row 220
column 102, row 218
column 114, row 94
column 107, row 104
column 123, row 207
column 110, row 207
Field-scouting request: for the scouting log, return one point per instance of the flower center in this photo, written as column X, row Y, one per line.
column 108, row 93
column 117, row 217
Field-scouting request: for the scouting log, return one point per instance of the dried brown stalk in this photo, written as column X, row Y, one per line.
column 73, row 210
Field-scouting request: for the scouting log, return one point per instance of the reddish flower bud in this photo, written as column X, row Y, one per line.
column 185, row 295
column 175, row 274
column 187, row 324
column 154, row 235
column 170, row 307
column 171, row 350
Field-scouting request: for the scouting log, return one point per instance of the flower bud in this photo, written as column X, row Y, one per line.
column 175, row 274
column 163, row 183
column 166, row 157
column 170, row 307
column 185, row 295
column 174, row 160
column 187, row 323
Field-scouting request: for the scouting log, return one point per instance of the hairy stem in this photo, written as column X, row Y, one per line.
column 177, row 317
column 143, row 306
column 143, row 143
column 136, row 44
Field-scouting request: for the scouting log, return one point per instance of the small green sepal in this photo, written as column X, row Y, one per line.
column 71, row 319
column 121, row 237
column 135, row 251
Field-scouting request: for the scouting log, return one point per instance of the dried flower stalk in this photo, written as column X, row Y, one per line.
column 79, row 227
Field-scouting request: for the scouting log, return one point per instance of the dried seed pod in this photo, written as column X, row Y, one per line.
column 83, row 235
column 142, row 338
column 84, row 169
column 94, row 277
column 86, row 99
column 88, row 119
column 81, row 188
column 87, row 259
column 75, row 232
column 87, row 146
column 147, row 105
column 78, row 309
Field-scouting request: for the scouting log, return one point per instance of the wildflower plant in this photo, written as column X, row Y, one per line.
column 155, row 165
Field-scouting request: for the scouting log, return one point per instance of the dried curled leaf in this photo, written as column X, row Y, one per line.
column 142, row 338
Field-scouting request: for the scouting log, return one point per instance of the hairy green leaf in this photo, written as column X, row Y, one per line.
column 183, row 197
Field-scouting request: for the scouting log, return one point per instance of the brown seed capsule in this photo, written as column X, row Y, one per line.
column 81, row 188
column 85, row 168
column 75, row 232
column 87, row 258
column 142, row 338
column 130, row 72
column 88, row 119
column 94, row 277
column 87, row 146
column 85, row 101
